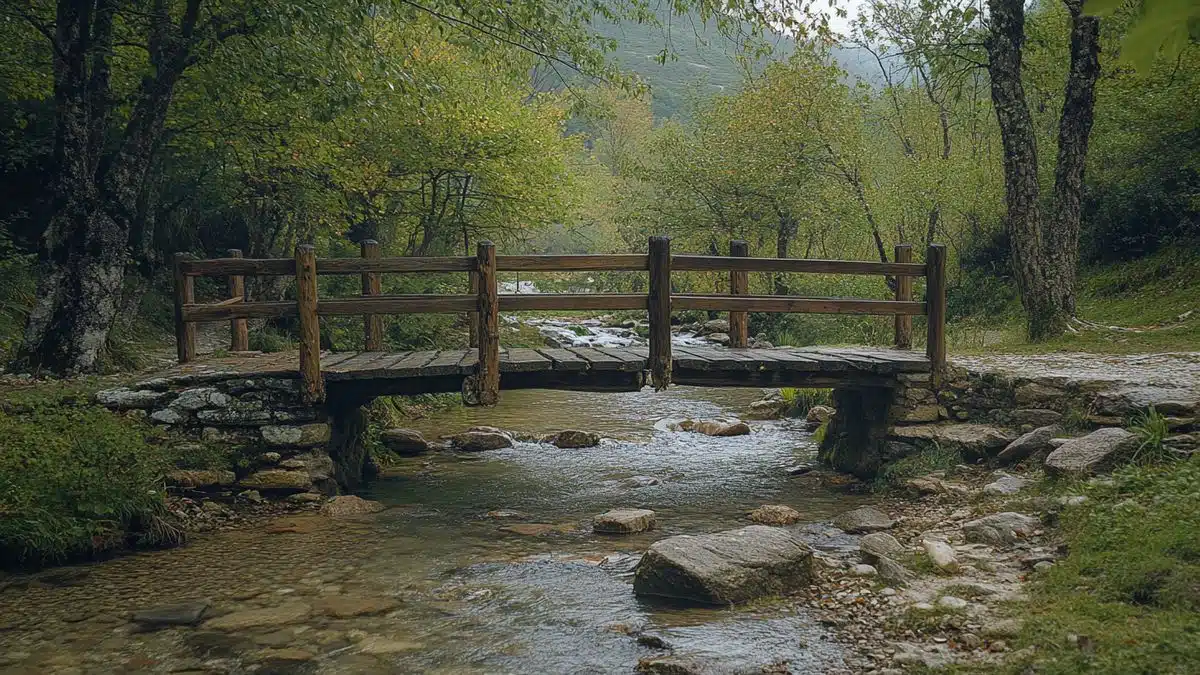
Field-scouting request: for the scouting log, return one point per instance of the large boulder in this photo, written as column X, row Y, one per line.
column 1029, row 444
column 278, row 479
column 1099, row 451
column 572, row 438
column 406, row 442
column 863, row 519
column 1000, row 529
column 818, row 415
column 200, row 479
column 973, row 440
column 724, row 568
column 714, row 326
column 624, row 521
column 878, row 545
column 477, row 441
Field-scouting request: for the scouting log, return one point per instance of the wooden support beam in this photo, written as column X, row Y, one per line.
column 904, row 287
column 311, row 382
column 716, row 263
column 487, row 381
column 570, row 263
column 239, row 333
column 659, row 305
column 473, row 316
column 371, row 285
column 185, row 294
column 935, row 302
column 739, row 284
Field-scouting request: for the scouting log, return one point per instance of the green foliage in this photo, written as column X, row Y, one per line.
column 76, row 480
column 1131, row 583
column 929, row 458
column 800, row 401
column 16, row 296
column 1162, row 29
column 1151, row 428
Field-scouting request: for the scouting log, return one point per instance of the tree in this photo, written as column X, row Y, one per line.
column 1045, row 249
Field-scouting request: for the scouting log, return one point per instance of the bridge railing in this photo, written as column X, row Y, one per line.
column 484, row 302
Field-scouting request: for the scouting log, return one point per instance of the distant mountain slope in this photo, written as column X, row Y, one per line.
column 703, row 61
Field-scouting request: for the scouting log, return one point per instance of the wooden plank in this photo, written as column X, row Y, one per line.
column 684, row 358
column 788, row 360
column 470, row 361
column 487, row 382
column 446, row 362
column 239, row 332
column 371, row 285
column 630, row 360
column 716, row 263
column 790, row 303
column 222, row 267
column 397, row 304
column 597, row 360
column 409, row 366
column 241, row 310
column 185, row 297
column 395, row 265
column 331, row 359
column 380, row 366
column 358, row 361
column 825, row 362
column 861, row 361
column 570, row 263
column 739, row 284
column 564, row 360
column 513, row 302
column 906, row 362
column 523, row 360
column 659, row 306
column 721, row 359
column 312, row 384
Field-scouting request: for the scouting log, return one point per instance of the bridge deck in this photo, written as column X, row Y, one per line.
column 585, row 368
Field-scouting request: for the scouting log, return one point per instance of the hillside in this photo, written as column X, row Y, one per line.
column 702, row 61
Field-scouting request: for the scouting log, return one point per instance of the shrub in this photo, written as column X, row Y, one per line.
column 76, row 480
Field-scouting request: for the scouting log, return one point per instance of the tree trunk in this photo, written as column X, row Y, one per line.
column 784, row 231
column 1046, row 316
column 1074, row 128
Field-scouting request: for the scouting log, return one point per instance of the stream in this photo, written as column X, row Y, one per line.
column 459, row 593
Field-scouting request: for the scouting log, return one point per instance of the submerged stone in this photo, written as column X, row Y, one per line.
column 863, row 519
column 344, row 506
column 572, row 438
column 775, row 514
column 624, row 521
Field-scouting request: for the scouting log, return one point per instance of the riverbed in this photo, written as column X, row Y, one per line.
column 469, row 594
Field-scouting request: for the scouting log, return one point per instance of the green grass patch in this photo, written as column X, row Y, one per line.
column 76, row 480
column 800, row 401
column 1131, row 583
column 928, row 459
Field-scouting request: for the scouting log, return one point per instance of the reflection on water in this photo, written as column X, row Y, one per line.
column 473, row 598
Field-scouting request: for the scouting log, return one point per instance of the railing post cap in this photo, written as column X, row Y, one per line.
column 369, row 242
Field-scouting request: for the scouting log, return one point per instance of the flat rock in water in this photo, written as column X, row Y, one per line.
column 344, row 506
column 674, row 665
column 346, row 606
column 775, row 514
column 1000, row 529
column 404, row 441
column 280, row 615
column 478, row 441
column 1029, row 444
column 863, row 519
column 1098, row 452
column 715, row 427
column 624, row 521
column 818, row 415
column 183, row 614
column 725, row 567
column 531, row 529
column 381, row 645
column 572, row 438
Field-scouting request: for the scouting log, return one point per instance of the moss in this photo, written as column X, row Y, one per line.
column 76, row 480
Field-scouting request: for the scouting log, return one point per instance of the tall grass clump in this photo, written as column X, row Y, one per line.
column 930, row 458
column 76, row 481
column 800, row 401
column 1151, row 429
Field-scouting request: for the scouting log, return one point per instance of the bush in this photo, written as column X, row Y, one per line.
column 76, row 481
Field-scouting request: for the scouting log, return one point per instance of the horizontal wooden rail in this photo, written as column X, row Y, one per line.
column 787, row 303
column 572, row 263
column 715, row 263
column 277, row 267
column 562, row 301
column 397, row 304
column 242, row 310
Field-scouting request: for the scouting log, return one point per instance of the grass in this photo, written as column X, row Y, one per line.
column 1158, row 297
column 1151, row 429
column 800, row 401
column 1131, row 583
column 928, row 459
column 76, row 480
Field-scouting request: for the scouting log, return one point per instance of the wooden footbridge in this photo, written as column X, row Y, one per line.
column 485, row 368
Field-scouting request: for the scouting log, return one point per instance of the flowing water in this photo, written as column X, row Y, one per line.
column 471, row 597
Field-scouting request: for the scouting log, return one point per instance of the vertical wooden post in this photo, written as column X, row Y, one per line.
column 660, row 312
column 903, row 293
column 312, row 384
column 739, row 284
column 371, row 285
column 473, row 317
column 185, row 294
column 239, row 335
column 935, row 306
column 488, row 379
